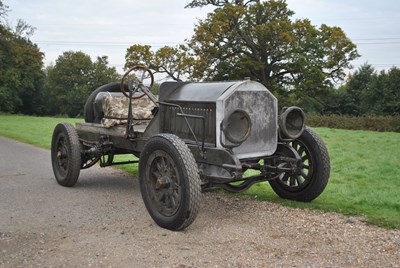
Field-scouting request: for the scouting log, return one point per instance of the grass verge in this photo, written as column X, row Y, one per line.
column 364, row 181
column 32, row 130
column 365, row 169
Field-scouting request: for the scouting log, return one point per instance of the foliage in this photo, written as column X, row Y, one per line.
column 295, row 60
column 382, row 96
column 73, row 77
column 3, row 10
column 176, row 62
column 102, row 74
column 367, row 92
column 368, row 122
column 68, row 83
column 61, row 89
column 21, row 75
column 21, row 63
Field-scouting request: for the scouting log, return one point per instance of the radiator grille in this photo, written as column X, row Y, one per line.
column 175, row 124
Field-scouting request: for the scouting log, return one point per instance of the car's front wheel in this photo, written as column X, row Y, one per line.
column 310, row 177
column 169, row 182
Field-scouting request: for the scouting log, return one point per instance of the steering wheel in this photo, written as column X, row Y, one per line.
column 134, row 79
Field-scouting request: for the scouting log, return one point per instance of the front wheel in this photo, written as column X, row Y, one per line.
column 310, row 177
column 169, row 182
column 65, row 154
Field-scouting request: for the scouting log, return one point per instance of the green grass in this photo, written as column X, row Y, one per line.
column 365, row 177
column 30, row 129
column 365, row 169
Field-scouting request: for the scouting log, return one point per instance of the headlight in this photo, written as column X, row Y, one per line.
column 237, row 126
column 292, row 122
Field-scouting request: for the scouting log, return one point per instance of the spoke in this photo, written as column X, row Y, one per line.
column 304, row 166
column 303, row 174
column 175, row 186
column 142, row 76
column 172, row 202
column 163, row 163
column 159, row 166
column 295, row 145
column 292, row 181
column 285, row 178
column 169, row 171
column 299, row 180
column 175, row 194
column 301, row 151
column 160, row 196
column 156, row 174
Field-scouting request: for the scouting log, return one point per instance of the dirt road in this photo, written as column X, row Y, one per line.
column 102, row 222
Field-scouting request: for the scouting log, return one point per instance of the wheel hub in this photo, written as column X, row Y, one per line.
column 163, row 183
column 296, row 176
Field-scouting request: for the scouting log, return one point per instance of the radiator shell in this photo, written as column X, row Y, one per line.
column 216, row 101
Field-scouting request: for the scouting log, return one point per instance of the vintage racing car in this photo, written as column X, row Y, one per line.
column 190, row 138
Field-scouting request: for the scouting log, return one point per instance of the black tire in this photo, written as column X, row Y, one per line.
column 312, row 177
column 65, row 154
column 88, row 112
column 169, row 182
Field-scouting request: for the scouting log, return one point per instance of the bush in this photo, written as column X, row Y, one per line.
column 371, row 123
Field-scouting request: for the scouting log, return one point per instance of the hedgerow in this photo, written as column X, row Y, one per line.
column 371, row 123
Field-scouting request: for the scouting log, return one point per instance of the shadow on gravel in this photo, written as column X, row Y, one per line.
column 106, row 180
column 111, row 184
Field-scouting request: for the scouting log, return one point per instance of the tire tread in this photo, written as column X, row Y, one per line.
column 74, row 162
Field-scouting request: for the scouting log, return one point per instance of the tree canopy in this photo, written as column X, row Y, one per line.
column 260, row 40
column 175, row 62
column 26, row 87
column 294, row 59
column 21, row 75
column 3, row 10
column 71, row 80
column 367, row 92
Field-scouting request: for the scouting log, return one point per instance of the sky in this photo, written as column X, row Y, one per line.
column 109, row 27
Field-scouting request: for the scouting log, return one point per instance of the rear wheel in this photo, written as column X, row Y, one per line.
column 311, row 173
column 65, row 154
column 169, row 182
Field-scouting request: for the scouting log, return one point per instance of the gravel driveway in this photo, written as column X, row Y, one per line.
column 102, row 222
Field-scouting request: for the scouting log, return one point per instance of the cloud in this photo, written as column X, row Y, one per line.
column 109, row 27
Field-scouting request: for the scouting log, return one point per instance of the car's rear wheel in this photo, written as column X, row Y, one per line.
column 169, row 182
column 310, row 177
column 65, row 154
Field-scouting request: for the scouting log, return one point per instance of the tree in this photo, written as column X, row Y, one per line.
column 73, row 77
column 176, row 62
column 357, row 83
column 68, row 83
column 382, row 95
column 21, row 62
column 258, row 39
column 367, row 92
column 102, row 74
column 3, row 10
column 21, row 75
